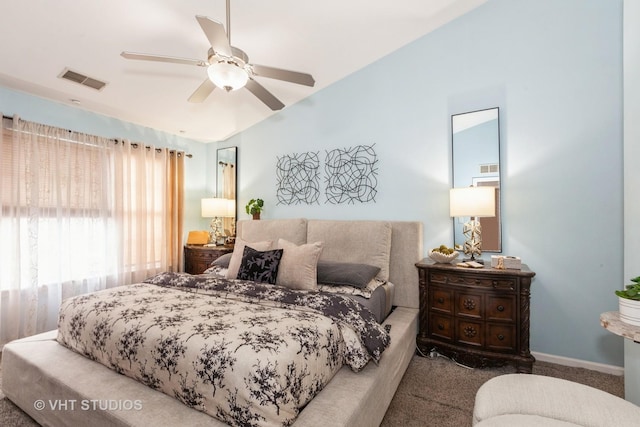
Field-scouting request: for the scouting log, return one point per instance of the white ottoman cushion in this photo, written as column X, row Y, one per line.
column 523, row 421
column 553, row 398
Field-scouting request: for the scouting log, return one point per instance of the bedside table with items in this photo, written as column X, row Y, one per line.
column 476, row 316
column 197, row 258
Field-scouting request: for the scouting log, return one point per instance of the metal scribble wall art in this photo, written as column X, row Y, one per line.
column 298, row 178
column 351, row 175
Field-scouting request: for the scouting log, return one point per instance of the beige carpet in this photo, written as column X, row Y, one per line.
column 433, row 392
column 437, row 392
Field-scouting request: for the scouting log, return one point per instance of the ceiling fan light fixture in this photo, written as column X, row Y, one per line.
column 227, row 75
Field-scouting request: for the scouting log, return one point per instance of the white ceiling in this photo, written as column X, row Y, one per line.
column 329, row 39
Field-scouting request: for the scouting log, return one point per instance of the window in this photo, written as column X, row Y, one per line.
column 80, row 213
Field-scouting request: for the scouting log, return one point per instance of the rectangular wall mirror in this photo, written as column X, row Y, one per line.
column 475, row 138
column 226, row 175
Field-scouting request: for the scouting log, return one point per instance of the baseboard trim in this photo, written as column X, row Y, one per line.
column 577, row 363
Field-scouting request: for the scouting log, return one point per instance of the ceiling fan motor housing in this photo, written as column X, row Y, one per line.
column 228, row 73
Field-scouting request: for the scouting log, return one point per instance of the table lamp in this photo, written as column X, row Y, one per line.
column 472, row 202
column 215, row 208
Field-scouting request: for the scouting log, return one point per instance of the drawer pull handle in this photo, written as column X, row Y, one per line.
column 440, row 327
column 469, row 304
column 501, row 337
column 470, row 332
column 501, row 308
column 440, row 300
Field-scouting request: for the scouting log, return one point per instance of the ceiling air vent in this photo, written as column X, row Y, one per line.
column 76, row 77
column 489, row 168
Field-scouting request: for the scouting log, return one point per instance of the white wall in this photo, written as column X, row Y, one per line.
column 631, row 139
column 631, row 52
column 555, row 70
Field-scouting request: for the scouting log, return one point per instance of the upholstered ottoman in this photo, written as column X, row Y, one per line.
column 525, row 400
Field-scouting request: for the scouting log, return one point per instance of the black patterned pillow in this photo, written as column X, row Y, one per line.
column 260, row 266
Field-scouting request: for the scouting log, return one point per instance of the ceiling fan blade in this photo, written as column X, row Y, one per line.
column 216, row 35
column 264, row 95
column 203, row 91
column 286, row 75
column 161, row 58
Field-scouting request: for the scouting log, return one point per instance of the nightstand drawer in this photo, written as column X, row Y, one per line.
column 441, row 327
column 501, row 308
column 203, row 255
column 469, row 333
column 441, row 300
column 501, row 337
column 469, row 304
column 448, row 278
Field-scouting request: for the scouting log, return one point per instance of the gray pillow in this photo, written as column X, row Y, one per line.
column 346, row 273
column 223, row 260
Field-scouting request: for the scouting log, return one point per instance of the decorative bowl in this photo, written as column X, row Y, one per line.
column 441, row 258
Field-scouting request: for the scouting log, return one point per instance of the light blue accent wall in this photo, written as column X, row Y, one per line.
column 555, row 70
column 51, row 113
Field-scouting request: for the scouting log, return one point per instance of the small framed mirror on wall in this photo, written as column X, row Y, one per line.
column 226, row 187
column 475, row 138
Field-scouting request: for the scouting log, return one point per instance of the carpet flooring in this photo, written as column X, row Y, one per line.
column 437, row 392
column 433, row 392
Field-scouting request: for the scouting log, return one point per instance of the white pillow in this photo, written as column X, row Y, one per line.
column 299, row 265
column 238, row 250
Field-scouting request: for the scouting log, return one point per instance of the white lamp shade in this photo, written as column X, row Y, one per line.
column 214, row 207
column 472, row 202
column 227, row 76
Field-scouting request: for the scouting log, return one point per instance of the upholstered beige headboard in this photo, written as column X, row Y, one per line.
column 394, row 246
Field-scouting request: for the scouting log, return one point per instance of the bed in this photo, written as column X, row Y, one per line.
column 57, row 386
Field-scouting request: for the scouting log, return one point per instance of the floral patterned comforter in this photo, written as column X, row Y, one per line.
column 246, row 353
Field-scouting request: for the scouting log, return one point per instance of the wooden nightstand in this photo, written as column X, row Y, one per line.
column 478, row 317
column 198, row 258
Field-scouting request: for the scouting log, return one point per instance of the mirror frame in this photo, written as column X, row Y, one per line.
column 220, row 161
column 479, row 177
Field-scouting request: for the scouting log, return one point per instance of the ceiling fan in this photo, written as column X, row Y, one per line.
column 228, row 67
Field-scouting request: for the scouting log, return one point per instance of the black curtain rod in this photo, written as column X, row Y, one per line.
column 117, row 141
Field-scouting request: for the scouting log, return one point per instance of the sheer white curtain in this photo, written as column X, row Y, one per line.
column 229, row 184
column 229, row 191
column 79, row 213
